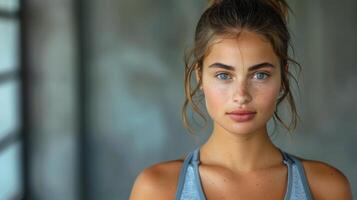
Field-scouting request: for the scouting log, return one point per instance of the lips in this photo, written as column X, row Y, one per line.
column 241, row 112
column 241, row 115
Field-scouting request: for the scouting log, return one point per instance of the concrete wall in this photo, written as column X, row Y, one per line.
column 52, row 52
column 135, row 67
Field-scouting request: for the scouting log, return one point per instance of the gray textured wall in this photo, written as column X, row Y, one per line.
column 135, row 71
column 136, row 79
column 137, row 75
column 51, row 43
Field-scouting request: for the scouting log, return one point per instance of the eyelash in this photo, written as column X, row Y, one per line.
column 217, row 75
column 264, row 73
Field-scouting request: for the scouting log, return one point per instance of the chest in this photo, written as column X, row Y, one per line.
column 267, row 184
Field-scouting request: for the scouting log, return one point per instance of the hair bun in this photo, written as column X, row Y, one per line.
column 280, row 6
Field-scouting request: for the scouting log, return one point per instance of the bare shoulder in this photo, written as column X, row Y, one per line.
column 326, row 181
column 158, row 181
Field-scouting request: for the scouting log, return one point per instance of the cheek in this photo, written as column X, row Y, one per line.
column 266, row 97
column 216, row 96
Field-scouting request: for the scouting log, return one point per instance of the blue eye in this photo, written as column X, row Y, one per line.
column 223, row 76
column 261, row 75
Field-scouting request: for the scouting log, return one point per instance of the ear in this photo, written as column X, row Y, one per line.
column 198, row 73
column 285, row 70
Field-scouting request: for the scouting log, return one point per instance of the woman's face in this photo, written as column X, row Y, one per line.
column 243, row 75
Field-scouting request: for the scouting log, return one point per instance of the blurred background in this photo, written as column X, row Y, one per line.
column 91, row 92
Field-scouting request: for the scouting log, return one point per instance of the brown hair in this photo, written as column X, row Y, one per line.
column 228, row 18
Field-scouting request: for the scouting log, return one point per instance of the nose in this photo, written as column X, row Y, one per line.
column 241, row 93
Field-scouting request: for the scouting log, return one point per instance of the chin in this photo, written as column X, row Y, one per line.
column 242, row 128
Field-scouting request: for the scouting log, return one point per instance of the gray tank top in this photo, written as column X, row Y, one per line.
column 190, row 188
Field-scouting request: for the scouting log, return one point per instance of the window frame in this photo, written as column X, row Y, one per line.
column 14, row 137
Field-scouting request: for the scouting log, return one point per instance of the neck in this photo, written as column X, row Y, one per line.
column 240, row 152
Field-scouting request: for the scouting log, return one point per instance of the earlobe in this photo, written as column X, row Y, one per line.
column 281, row 92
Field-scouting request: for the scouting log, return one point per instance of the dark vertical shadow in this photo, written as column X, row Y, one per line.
column 24, row 96
column 8, row 14
column 79, row 9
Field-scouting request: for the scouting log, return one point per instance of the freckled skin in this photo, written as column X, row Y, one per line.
column 243, row 91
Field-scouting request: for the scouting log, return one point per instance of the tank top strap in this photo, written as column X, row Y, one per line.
column 286, row 158
column 296, row 177
column 301, row 171
column 195, row 162
column 196, row 156
column 182, row 176
column 289, row 163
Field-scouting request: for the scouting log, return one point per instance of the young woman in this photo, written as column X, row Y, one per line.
column 241, row 63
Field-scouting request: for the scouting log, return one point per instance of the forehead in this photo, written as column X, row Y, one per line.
column 246, row 49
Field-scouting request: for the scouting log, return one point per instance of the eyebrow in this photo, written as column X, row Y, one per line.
column 251, row 68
